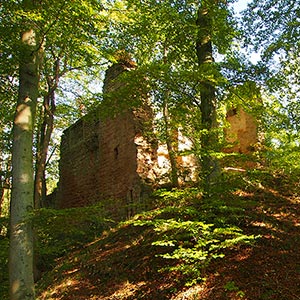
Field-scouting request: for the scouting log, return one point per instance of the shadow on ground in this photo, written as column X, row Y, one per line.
column 124, row 265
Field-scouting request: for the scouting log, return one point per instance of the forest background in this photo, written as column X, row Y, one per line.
column 197, row 57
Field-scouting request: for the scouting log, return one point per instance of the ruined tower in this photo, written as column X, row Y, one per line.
column 109, row 157
column 242, row 131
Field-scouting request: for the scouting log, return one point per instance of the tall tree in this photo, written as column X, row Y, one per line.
column 190, row 78
column 43, row 141
column 68, row 32
column 67, row 51
column 21, row 237
column 272, row 30
column 171, row 133
column 204, row 49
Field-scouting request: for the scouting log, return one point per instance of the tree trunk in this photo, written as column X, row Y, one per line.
column 170, row 144
column 1, row 199
column 46, row 130
column 170, row 141
column 44, row 141
column 21, row 236
column 204, row 51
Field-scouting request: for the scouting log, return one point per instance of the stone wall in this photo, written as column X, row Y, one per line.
column 109, row 160
column 242, row 131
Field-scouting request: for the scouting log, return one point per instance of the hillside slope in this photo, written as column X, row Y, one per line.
column 125, row 264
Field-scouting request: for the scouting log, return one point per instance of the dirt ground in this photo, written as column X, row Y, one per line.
column 123, row 264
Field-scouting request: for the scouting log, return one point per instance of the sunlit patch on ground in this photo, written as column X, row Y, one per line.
column 123, row 264
column 124, row 290
column 190, row 293
column 59, row 289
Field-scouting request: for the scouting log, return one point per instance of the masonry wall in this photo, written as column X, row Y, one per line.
column 108, row 161
column 114, row 160
column 242, row 131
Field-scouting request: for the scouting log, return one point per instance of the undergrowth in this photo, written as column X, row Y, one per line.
column 60, row 231
column 4, row 242
column 57, row 233
column 194, row 230
column 191, row 230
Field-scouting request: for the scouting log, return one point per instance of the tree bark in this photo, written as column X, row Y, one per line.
column 170, row 141
column 169, row 131
column 204, row 52
column 21, row 235
column 44, row 141
column 46, row 130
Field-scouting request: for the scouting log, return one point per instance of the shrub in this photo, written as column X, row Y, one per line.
column 194, row 235
column 57, row 232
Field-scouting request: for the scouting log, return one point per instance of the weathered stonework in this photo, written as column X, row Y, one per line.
column 108, row 160
column 242, row 131
column 112, row 159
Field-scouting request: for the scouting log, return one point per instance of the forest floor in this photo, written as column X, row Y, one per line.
column 123, row 263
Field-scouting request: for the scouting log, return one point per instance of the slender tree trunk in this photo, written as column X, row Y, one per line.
column 21, row 235
column 5, row 184
column 39, row 183
column 204, row 51
column 45, row 137
column 1, row 199
column 170, row 144
column 170, row 141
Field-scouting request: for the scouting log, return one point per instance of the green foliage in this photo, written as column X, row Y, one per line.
column 281, row 147
column 4, row 268
column 60, row 231
column 176, row 197
column 194, row 235
column 284, row 159
column 57, row 232
column 273, row 26
column 5, row 205
column 4, row 242
column 4, row 225
column 272, row 29
column 232, row 287
column 8, row 91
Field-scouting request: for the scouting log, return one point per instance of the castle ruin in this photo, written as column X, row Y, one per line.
column 108, row 159
column 114, row 161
